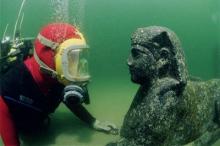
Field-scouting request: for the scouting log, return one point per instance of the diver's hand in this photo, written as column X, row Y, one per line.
column 105, row 127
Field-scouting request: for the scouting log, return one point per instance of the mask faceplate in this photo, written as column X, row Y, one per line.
column 71, row 61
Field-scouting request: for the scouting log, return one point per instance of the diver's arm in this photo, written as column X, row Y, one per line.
column 74, row 96
column 81, row 112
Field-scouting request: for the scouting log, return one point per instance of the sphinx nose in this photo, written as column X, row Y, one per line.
column 130, row 61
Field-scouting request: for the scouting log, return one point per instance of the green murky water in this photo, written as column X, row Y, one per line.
column 107, row 26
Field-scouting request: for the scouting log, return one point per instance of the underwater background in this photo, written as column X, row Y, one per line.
column 107, row 26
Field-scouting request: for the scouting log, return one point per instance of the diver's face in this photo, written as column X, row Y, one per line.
column 141, row 64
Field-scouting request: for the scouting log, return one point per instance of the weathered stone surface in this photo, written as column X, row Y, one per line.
column 169, row 109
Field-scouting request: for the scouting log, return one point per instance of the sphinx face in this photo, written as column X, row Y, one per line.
column 141, row 63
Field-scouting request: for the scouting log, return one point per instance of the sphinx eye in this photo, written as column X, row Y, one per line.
column 135, row 53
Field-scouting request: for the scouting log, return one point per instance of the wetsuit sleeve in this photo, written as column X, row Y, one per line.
column 81, row 112
column 7, row 128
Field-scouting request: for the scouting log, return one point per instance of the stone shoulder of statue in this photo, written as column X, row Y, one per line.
column 169, row 108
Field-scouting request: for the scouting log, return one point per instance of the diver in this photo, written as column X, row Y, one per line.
column 33, row 89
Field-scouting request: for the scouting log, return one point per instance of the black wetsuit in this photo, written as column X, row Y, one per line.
column 25, row 99
column 27, row 104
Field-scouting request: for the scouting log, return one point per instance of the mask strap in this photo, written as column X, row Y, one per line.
column 47, row 42
column 44, row 68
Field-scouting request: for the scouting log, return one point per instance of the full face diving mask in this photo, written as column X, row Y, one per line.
column 71, row 62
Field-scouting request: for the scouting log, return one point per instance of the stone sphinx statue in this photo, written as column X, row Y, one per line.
column 169, row 109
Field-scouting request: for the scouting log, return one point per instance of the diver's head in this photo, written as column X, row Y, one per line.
column 60, row 51
column 156, row 53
